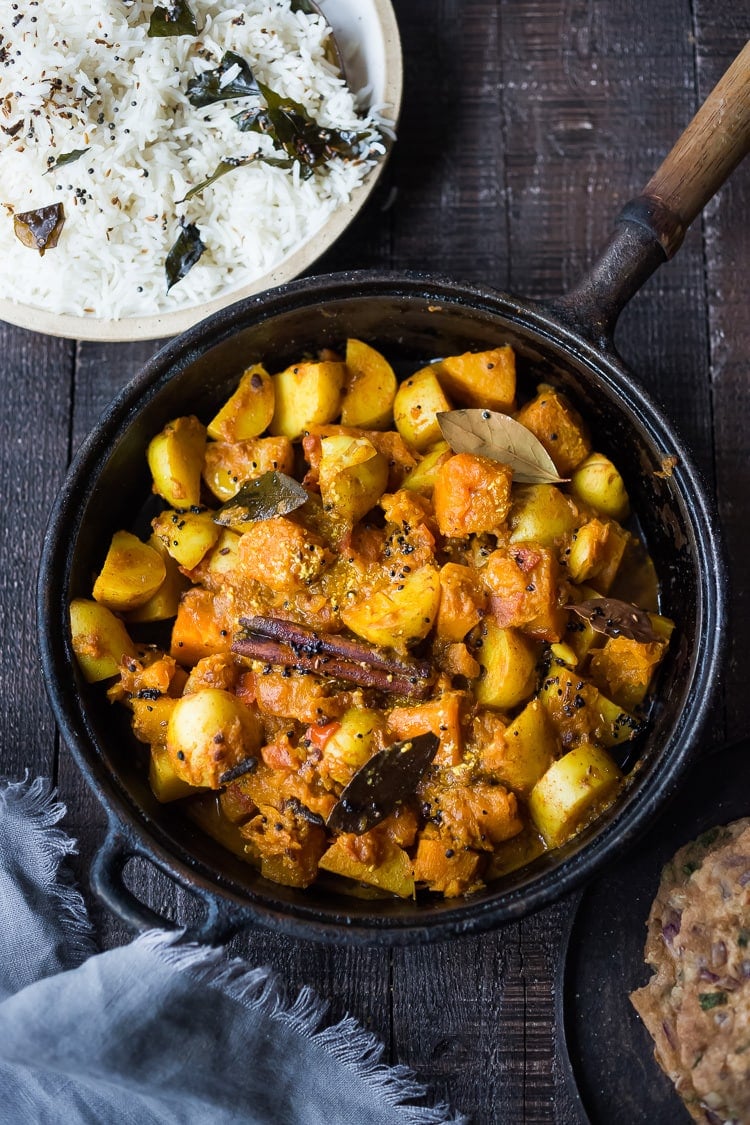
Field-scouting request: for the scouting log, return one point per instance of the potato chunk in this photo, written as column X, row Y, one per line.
column 229, row 465
column 418, row 400
column 571, row 791
column 484, row 379
column 352, row 476
column 354, row 740
column 471, row 494
column 541, row 514
column 530, row 748
column 597, row 482
column 248, row 412
column 559, row 427
column 164, row 603
column 209, row 732
column 392, row 873
column 307, row 395
column 508, row 661
column 100, row 640
column 132, row 573
column 166, row 784
column 421, row 479
column 397, row 615
column 187, row 536
column 370, row 388
column 175, row 458
column 595, row 554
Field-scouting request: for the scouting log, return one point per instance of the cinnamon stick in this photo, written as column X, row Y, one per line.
column 365, row 675
column 308, row 642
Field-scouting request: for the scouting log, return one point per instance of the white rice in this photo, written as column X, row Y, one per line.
column 122, row 96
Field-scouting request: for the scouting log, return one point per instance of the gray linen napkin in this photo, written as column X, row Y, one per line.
column 155, row 1032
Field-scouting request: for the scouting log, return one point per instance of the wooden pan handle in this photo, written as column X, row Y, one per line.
column 711, row 147
column 651, row 227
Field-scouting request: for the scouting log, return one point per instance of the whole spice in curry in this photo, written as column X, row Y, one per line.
column 398, row 653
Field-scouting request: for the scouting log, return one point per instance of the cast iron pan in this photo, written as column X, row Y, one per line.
column 609, row 1054
column 411, row 318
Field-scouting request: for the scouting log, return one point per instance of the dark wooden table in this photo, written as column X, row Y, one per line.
column 526, row 125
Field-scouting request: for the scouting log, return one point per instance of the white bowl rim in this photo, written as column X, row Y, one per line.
column 160, row 325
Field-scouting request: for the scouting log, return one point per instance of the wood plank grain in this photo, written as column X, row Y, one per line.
column 721, row 30
column 36, row 379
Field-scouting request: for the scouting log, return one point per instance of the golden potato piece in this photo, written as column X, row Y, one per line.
column 421, row 479
column 353, row 742
column 595, row 553
column 187, row 536
column 370, row 388
column 229, row 465
column 163, row 604
column 483, row 379
column 209, row 732
column 352, row 476
column 248, row 412
column 166, row 784
column 541, row 514
column 597, row 482
column 307, row 395
column 399, row 614
column 530, row 748
column 392, row 874
column 132, row 573
column 418, row 400
column 571, row 791
column 175, row 458
column 100, row 640
column 508, row 661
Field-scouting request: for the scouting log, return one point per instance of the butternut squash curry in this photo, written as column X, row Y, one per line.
column 404, row 645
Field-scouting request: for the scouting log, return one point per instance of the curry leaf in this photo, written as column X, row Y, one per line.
column 228, row 164
column 213, row 86
column 381, row 784
column 499, row 437
column 292, row 128
column 184, row 254
column 305, row 6
column 175, row 18
column 66, row 158
column 40, row 229
column 273, row 494
column 616, row 619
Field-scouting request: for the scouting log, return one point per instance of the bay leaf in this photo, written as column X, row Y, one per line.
column 273, row 494
column 39, row 229
column 381, row 784
column 616, row 619
column 486, row 433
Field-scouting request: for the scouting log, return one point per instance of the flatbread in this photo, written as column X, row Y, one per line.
column 697, row 1004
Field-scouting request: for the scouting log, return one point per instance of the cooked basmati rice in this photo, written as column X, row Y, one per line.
column 87, row 76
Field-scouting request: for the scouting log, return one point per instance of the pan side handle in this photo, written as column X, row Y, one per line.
column 650, row 228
